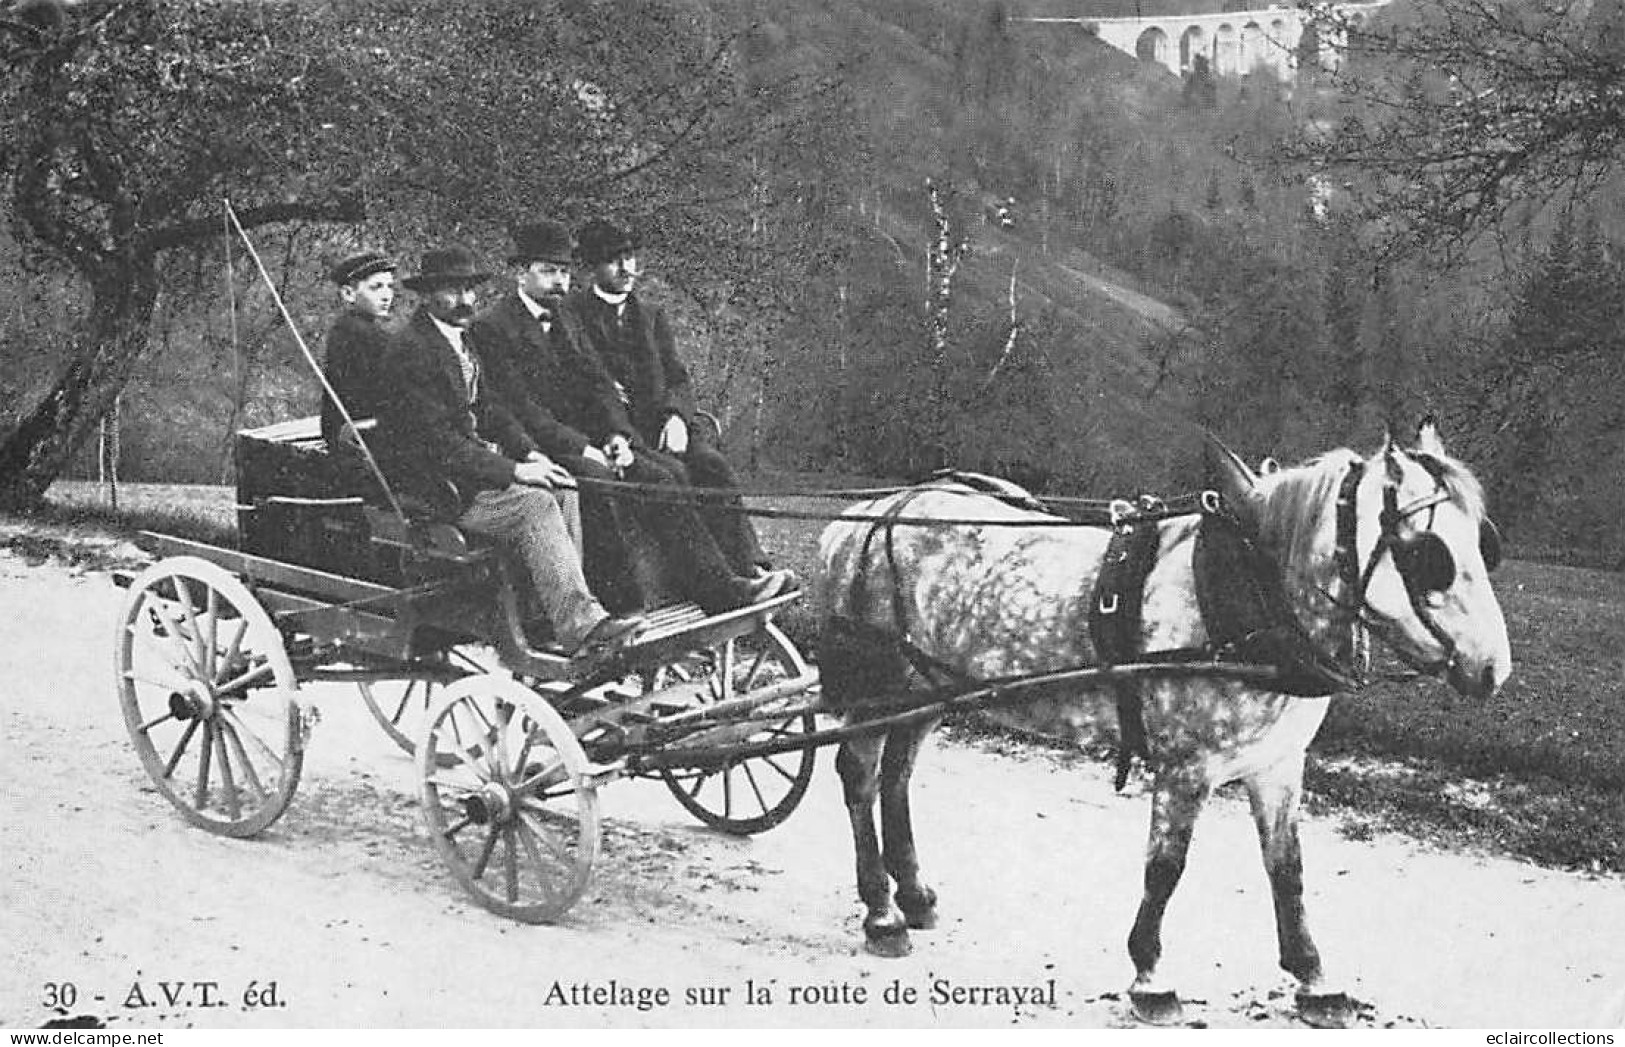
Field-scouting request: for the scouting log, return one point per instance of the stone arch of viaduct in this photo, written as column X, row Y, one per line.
column 1268, row 39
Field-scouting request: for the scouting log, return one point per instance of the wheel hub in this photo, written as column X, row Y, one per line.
column 194, row 703
column 492, row 804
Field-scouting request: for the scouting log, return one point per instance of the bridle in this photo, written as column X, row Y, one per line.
column 1424, row 561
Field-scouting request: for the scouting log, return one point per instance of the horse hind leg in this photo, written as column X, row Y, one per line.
column 1176, row 802
column 885, row 929
column 1274, row 797
column 917, row 900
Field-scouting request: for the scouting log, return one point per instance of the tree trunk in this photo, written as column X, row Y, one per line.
column 33, row 454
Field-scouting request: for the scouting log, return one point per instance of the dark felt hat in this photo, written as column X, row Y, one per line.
column 447, row 265
column 543, row 241
column 603, row 241
column 360, row 266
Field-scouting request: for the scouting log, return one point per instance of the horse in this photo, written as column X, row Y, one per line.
column 946, row 584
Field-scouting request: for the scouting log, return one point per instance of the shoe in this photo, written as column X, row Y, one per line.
column 773, row 583
column 608, row 638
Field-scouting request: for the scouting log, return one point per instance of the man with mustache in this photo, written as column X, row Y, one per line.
column 559, row 393
column 636, row 346
column 440, row 423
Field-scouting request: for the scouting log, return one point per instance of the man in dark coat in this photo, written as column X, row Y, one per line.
column 356, row 343
column 535, row 364
column 440, row 423
column 633, row 341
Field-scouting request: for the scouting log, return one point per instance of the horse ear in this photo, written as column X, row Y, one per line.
column 1427, row 438
column 1236, row 483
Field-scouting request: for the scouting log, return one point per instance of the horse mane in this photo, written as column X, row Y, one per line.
column 1297, row 500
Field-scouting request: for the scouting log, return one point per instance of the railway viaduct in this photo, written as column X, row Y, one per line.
column 1272, row 39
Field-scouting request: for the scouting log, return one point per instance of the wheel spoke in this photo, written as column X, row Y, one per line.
column 211, row 662
column 406, row 696
column 196, row 635
column 172, row 629
column 204, row 756
column 254, row 675
column 180, row 748
column 559, row 852
column 773, row 763
column 510, row 852
column 234, row 803
column 750, row 777
column 234, row 649
column 527, row 837
column 147, row 727
column 450, row 832
column 485, row 852
column 242, row 730
column 250, row 776
column 750, row 674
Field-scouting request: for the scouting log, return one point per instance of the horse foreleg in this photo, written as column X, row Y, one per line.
column 1176, row 801
column 918, row 901
column 1275, row 802
column 858, row 763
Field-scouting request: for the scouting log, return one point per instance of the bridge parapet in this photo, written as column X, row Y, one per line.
column 1269, row 39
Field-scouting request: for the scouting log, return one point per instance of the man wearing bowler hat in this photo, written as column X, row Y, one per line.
column 635, row 344
column 354, row 362
column 440, row 423
column 535, row 363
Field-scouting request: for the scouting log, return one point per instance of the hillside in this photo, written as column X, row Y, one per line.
column 931, row 89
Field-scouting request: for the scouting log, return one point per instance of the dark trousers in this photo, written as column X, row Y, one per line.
column 641, row 552
column 703, row 465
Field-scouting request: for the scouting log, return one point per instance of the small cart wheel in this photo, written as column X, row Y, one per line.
column 508, row 799
column 209, row 696
column 751, row 795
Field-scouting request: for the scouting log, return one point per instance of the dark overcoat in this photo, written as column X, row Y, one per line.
column 355, row 367
column 561, row 394
column 432, row 431
column 637, row 348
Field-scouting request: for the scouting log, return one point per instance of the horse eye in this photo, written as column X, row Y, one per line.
column 1426, row 564
column 1489, row 544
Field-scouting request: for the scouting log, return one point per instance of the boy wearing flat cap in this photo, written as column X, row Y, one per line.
column 636, row 553
column 356, row 342
column 636, row 346
column 441, row 423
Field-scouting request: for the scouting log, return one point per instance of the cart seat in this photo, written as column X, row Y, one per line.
column 302, row 503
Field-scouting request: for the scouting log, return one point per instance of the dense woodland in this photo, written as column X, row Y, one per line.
column 818, row 184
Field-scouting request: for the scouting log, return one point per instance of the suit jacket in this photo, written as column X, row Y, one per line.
column 560, row 394
column 430, row 431
column 355, row 368
column 638, row 350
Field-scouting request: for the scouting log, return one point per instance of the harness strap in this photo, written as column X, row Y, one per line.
column 1115, row 615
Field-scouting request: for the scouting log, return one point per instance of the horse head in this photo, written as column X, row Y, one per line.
column 1399, row 542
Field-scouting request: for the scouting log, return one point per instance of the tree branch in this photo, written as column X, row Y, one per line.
column 342, row 209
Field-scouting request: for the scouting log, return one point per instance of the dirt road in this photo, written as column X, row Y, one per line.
column 344, row 910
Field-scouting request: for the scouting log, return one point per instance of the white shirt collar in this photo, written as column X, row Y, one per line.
column 617, row 300
column 534, row 307
column 453, row 333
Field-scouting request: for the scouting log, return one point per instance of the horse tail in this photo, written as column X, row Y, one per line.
column 857, row 657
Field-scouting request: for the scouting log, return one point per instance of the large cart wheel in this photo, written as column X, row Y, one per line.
column 508, row 799
column 401, row 705
column 750, row 795
column 209, row 696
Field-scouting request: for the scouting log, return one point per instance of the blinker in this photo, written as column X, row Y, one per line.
column 1489, row 544
column 1427, row 565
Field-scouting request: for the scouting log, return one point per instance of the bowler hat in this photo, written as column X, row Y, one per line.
column 447, row 265
column 603, row 241
column 544, row 241
column 360, row 266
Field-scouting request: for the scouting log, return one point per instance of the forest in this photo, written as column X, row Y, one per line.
column 895, row 234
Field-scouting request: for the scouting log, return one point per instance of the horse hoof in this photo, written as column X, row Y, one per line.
column 890, row 944
column 1332, row 1010
column 1157, row 1008
column 921, row 919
